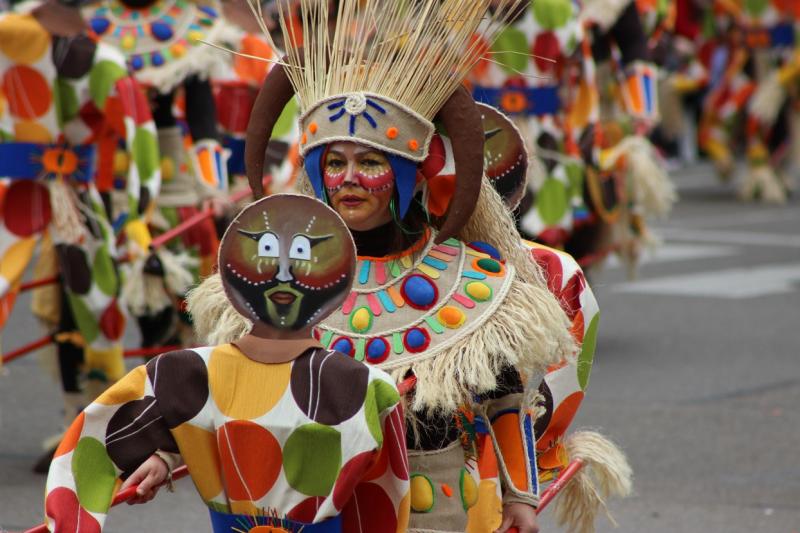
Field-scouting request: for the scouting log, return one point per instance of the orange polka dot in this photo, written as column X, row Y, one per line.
column 451, row 316
column 392, row 133
column 304, row 139
column 27, row 91
column 71, row 437
column 313, row 128
column 26, row 131
column 447, row 490
column 199, row 451
column 413, row 145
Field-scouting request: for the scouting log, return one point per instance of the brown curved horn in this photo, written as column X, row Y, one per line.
column 273, row 97
column 462, row 120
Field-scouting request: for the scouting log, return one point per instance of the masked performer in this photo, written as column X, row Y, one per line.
column 64, row 98
column 277, row 431
column 445, row 291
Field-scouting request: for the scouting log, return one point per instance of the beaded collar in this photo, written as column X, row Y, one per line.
column 411, row 307
column 157, row 36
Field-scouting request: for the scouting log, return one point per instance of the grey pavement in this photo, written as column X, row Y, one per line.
column 697, row 377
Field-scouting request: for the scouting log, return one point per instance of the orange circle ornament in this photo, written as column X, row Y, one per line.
column 514, row 102
column 60, row 161
column 392, row 133
column 413, row 145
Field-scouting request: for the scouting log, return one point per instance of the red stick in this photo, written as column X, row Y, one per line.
column 37, row 283
column 19, row 352
column 122, row 496
column 558, row 485
column 406, row 385
column 192, row 221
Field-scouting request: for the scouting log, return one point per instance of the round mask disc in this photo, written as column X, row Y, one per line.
column 505, row 155
column 287, row 261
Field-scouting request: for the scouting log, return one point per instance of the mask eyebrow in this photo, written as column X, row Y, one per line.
column 314, row 240
column 255, row 235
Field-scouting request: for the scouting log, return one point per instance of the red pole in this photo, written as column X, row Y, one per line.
column 558, row 485
column 154, row 350
column 37, row 283
column 19, row 352
column 192, row 221
column 122, row 496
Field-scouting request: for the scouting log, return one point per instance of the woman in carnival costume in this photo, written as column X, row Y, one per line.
column 446, row 292
column 64, row 96
column 279, row 433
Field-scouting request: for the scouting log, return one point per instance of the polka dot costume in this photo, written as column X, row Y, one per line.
column 64, row 102
column 317, row 442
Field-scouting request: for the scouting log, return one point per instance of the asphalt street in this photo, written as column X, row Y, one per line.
column 697, row 377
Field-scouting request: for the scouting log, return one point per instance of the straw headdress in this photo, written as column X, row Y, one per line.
column 379, row 72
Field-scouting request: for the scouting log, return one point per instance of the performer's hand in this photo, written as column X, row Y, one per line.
column 519, row 517
column 149, row 476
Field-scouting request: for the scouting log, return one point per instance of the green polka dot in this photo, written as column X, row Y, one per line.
column 312, row 458
column 587, row 353
column 552, row 14
column 510, row 51
column 380, row 396
column 286, row 121
column 756, row 7
column 66, row 100
column 552, row 201
column 84, row 318
column 574, row 173
column 145, row 154
column 95, row 475
column 104, row 273
column 102, row 78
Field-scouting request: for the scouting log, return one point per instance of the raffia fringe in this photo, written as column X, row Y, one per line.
column 604, row 13
column 768, row 99
column 653, row 190
column 606, row 474
column 517, row 334
column 67, row 218
column 146, row 294
column 214, row 318
column 761, row 180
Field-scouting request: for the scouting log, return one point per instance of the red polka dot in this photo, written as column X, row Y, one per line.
column 370, row 509
column 26, row 208
column 379, row 467
column 545, row 48
column 112, row 322
column 62, row 506
column 251, row 459
column 27, row 92
column 306, row 510
column 394, row 428
column 351, row 474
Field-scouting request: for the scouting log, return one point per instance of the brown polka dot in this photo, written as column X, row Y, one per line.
column 180, row 382
column 75, row 268
column 329, row 387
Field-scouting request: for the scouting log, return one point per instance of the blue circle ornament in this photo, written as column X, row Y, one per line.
column 377, row 351
column 161, row 31
column 344, row 345
column 416, row 340
column 419, row 292
column 100, row 25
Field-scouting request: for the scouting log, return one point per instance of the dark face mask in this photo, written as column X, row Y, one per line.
column 287, row 261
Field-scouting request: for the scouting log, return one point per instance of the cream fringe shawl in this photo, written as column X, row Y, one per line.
column 529, row 330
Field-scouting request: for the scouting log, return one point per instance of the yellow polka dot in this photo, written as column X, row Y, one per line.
column 195, row 36
column 121, row 162
column 199, row 451
column 16, row 258
column 109, row 361
column 26, row 131
column 178, row 50
column 129, row 388
column 232, row 375
column 487, row 513
column 167, row 168
column 404, row 513
column 22, row 38
column 244, row 507
column 422, row 495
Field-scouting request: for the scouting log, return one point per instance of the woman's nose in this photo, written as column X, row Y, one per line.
column 350, row 175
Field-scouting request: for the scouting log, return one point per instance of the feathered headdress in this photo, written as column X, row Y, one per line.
column 379, row 72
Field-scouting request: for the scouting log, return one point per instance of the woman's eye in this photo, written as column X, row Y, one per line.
column 268, row 245
column 335, row 164
column 372, row 163
column 301, row 248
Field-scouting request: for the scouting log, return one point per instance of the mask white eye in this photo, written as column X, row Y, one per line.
column 301, row 248
column 268, row 245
